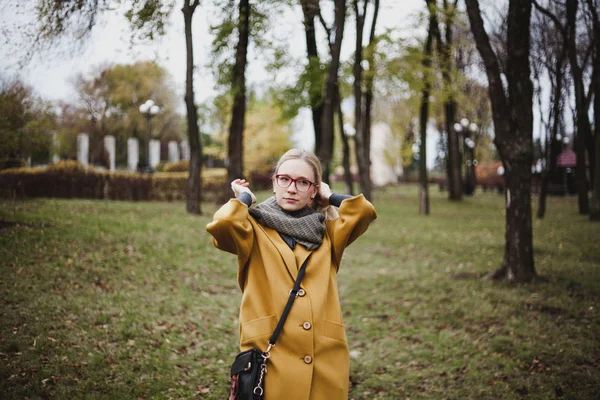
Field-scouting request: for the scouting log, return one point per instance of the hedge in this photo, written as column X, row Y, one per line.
column 75, row 181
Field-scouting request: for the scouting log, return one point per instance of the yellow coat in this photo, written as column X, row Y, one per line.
column 310, row 359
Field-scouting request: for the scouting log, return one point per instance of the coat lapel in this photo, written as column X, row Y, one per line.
column 284, row 250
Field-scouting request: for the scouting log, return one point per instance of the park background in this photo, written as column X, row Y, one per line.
column 478, row 280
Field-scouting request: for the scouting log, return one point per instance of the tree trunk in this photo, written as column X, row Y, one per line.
column 325, row 151
column 583, row 123
column 444, row 49
column 518, row 262
column 551, row 174
column 364, row 178
column 238, row 114
column 423, row 118
column 595, row 202
column 368, row 95
column 513, row 122
column 194, row 183
column 310, row 9
column 346, row 148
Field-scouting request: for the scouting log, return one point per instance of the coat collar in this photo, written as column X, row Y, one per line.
column 284, row 250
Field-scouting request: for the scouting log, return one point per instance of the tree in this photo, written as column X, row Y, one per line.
column 76, row 18
column 266, row 137
column 363, row 98
column 310, row 10
column 111, row 97
column 195, row 177
column 595, row 201
column 335, row 35
column 26, row 122
column 549, row 58
column 424, row 119
column 238, row 82
column 513, row 123
column 444, row 49
column 568, row 31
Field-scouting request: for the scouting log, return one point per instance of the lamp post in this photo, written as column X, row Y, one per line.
column 149, row 110
column 468, row 129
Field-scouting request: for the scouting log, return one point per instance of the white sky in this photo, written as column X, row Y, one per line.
column 51, row 77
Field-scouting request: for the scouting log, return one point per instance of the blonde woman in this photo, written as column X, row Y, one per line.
column 272, row 240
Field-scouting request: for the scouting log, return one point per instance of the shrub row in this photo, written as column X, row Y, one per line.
column 70, row 181
column 7, row 163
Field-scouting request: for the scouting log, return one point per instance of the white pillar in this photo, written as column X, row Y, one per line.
column 133, row 154
column 110, row 147
column 154, row 153
column 83, row 148
column 185, row 150
column 173, row 151
column 55, row 147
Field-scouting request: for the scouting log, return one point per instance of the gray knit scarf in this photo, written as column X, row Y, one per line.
column 306, row 226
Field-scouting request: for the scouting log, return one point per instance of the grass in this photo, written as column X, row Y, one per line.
column 118, row 300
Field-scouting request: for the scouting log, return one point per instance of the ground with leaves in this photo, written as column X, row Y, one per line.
column 117, row 300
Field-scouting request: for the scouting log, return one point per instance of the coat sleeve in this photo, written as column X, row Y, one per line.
column 232, row 231
column 356, row 214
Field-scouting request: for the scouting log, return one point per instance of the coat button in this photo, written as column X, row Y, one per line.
column 307, row 359
column 306, row 325
column 301, row 292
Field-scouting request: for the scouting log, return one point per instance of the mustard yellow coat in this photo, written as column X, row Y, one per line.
column 310, row 359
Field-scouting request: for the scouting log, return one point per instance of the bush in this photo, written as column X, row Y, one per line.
column 67, row 166
column 71, row 180
column 261, row 181
column 8, row 163
column 179, row 166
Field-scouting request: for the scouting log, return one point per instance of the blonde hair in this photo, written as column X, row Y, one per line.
column 306, row 156
column 315, row 164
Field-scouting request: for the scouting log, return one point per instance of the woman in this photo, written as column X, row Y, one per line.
column 272, row 241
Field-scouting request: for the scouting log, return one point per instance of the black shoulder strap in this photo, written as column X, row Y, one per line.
column 288, row 306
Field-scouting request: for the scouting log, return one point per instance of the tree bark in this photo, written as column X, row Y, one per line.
column 238, row 114
column 310, row 9
column 194, row 183
column 364, row 176
column 595, row 201
column 345, row 147
column 325, row 151
column 513, row 122
column 583, row 123
column 551, row 173
column 423, row 118
column 444, row 49
column 368, row 95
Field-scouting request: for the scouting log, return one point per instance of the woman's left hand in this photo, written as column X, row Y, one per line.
column 324, row 194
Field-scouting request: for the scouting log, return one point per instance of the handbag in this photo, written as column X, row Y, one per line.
column 250, row 367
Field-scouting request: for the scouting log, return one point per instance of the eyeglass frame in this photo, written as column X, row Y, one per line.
column 292, row 180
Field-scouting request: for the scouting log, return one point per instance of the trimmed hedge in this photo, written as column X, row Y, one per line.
column 179, row 166
column 74, row 181
column 8, row 163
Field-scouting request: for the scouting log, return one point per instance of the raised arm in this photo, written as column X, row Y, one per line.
column 356, row 213
column 230, row 228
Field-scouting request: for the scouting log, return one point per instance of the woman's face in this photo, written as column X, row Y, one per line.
column 298, row 174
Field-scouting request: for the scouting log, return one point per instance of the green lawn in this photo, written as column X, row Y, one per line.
column 116, row 300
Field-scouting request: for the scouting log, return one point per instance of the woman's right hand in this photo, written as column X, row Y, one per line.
column 239, row 186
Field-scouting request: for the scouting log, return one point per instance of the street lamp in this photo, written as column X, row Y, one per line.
column 468, row 129
column 149, row 110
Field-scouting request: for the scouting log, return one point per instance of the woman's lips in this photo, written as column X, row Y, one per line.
column 290, row 200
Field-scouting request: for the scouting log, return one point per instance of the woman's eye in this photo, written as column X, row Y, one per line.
column 284, row 179
column 303, row 183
